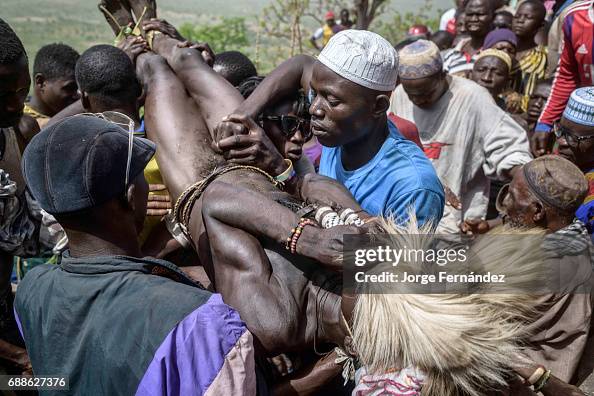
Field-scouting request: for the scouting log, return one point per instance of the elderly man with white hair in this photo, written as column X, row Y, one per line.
column 467, row 137
column 350, row 86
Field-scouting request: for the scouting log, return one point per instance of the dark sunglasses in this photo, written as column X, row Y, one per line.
column 289, row 125
column 572, row 140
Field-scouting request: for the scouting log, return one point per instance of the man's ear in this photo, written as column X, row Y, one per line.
column 381, row 105
column 39, row 80
column 539, row 213
column 84, row 98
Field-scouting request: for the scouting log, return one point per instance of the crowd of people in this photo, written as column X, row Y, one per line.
column 196, row 213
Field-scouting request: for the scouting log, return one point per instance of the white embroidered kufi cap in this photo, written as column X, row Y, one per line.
column 363, row 57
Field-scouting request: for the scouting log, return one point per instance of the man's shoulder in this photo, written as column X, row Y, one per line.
column 405, row 160
column 471, row 92
column 35, row 280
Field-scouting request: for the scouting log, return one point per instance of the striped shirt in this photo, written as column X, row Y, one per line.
column 576, row 65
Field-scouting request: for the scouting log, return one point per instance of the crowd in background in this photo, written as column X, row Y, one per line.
column 171, row 222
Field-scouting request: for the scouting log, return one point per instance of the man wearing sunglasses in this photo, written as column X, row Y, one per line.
column 575, row 137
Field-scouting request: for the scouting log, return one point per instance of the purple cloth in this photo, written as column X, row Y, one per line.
column 190, row 357
column 497, row 35
column 314, row 153
column 18, row 322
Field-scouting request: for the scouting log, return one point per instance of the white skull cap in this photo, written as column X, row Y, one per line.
column 363, row 57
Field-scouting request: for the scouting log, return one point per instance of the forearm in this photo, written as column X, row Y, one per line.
column 309, row 380
column 255, row 215
column 566, row 80
column 317, row 188
column 11, row 352
column 287, row 78
column 74, row 109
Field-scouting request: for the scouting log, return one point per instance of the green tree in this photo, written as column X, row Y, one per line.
column 223, row 35
column 394, row 29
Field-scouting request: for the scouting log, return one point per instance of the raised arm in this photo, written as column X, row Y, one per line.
column 287, row 78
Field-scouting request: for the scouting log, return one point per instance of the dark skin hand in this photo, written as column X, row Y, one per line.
column 309, row 380
column 524, row 367
column 16, row 355
column 158, row 205
column 478, row 226
column 133, row 46
column 542, row 143
column 254, row 148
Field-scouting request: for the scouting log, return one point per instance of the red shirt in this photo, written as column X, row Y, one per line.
column 576, row 64
column 407, row 129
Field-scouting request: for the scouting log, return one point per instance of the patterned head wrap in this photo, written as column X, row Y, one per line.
column 498, row 54
column 556, row 182
column 419, row 60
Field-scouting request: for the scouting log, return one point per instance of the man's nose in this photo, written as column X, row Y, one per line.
column 315, row 109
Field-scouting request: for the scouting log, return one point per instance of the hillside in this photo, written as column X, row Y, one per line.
column 78, row 22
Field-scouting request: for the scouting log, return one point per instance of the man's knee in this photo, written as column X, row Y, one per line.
column 186, row 58
column 153, row 66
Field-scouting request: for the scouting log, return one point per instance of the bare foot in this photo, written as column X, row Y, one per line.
column 138, row 7
column 117, row 13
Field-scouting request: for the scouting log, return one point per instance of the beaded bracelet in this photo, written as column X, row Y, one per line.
column 542, row 381
column 291, row 244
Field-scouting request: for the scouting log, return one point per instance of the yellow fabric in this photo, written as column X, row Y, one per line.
column 534, row 67
column 152, row 176
column 41, row 119
column 328, row 33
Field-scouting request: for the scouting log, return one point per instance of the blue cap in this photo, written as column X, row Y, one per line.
column 80, row 162
column 580, row 107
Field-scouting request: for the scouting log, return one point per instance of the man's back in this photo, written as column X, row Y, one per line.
column 120, row 325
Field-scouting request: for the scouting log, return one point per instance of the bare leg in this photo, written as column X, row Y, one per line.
column 175, row 124
column 215, row 97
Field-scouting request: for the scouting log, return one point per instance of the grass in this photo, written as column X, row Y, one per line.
column 79, row 24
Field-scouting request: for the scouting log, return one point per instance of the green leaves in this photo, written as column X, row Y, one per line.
column 222, row 35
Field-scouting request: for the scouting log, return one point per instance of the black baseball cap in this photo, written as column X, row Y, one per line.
column 80, row 162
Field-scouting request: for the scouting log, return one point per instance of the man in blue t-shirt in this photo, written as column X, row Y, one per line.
column 399, row 177
column 350, row 86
